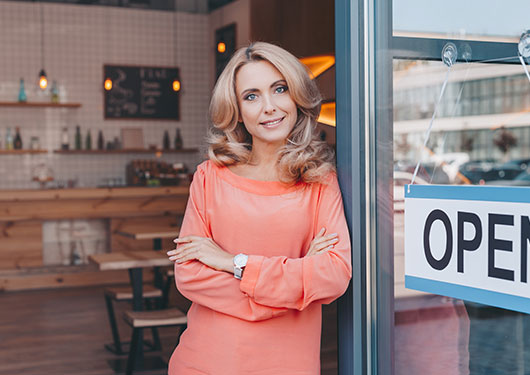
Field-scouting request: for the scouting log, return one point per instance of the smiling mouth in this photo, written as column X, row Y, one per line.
column 272, row 123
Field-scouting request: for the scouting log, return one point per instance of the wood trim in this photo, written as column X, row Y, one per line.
column 126, row 151
column 25, row 151
column 92, row 193
column 38, row 104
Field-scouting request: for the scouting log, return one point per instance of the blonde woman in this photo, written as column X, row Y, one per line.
column 264, row 242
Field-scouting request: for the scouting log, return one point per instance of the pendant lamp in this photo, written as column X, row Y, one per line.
column 43, row 79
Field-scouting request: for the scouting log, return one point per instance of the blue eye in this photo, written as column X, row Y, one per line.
column 280, row 89
column 250, row 97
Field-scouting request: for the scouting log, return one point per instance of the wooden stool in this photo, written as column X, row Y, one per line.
column 139, row 320
column 124, row 293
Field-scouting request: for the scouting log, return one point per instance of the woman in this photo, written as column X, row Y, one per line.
column 252, row 255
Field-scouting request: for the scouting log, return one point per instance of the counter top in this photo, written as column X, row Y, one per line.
column 92, row 203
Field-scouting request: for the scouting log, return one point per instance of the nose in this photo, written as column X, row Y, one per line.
column 268, row 104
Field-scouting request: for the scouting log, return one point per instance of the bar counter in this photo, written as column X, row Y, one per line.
column 91, row 202
column 23, row 212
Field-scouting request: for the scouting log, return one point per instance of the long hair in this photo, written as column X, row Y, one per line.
column 303, row 158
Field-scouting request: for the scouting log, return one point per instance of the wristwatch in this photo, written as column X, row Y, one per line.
column 240, row 261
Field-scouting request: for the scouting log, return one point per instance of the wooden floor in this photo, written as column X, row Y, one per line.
column 59, row 332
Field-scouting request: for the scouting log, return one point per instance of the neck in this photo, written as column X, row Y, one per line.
column 264, row 155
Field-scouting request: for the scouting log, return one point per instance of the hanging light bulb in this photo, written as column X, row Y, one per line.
column 43, row 80
column 176, row 85
column 108, row 84
column 221, row 47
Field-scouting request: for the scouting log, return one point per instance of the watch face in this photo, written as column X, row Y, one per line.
column 240, row 260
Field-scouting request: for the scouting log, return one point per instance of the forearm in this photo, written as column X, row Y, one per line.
column 295, row 283
column 219, row 291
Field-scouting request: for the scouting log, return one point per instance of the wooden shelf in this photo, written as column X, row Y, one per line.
column 125, row 151
column 37, row 104
column 18, row 152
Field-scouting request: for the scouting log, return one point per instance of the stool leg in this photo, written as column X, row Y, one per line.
column 113, row 326
column 165, row 292
column 156, row 339
column 132, row 351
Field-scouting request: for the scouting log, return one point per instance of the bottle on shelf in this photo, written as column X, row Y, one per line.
column 101, row 141
column 9, row 139
column 65, row 141
column 165, row 142
column 34, row 143
column 22, row 97
column 17, row 144
column 116, row 145
column 178, row 140
column 77, row 137
column 88, row 140
column 55, row 93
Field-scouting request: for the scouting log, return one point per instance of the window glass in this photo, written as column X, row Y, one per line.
column 480, row 136
column 469, row 19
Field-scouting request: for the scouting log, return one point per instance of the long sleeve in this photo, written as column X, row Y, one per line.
column 214, row 289
column 295, row 283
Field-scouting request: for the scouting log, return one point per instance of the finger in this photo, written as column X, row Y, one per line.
column 183, row 239
column 186, row 257
column 180, row 250
column 327, row 243
column 330, row 247
column 325, row 238
column 189, row 254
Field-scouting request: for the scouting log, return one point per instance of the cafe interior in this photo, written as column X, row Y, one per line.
column 103, row 116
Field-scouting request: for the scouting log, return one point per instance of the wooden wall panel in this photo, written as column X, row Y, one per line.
column 78, row 276
column 90, row 208
column 22, row 213
column 303, row 27
column 20, row 244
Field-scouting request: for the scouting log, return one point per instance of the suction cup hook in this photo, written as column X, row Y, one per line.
column 524, row 44
column 465, row 52
column 449, row 54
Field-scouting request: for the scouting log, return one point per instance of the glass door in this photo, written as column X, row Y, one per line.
column 461, row 116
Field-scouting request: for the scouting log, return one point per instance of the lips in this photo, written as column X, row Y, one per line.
column 272, row 123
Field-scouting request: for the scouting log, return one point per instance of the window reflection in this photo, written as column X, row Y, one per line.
column 481, row 136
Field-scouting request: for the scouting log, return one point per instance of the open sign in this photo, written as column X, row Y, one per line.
column 469, row 242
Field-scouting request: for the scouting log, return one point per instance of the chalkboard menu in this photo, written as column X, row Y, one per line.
column 141, row 92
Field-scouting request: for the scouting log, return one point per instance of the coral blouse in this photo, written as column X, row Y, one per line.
column 268, row 323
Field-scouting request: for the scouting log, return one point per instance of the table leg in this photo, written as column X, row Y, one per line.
column 158, row 278
column 136, row 276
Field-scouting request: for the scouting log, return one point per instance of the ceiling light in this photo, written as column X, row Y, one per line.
column 318, row 64
column 327, row 114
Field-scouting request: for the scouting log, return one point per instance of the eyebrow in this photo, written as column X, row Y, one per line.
column 251, row 90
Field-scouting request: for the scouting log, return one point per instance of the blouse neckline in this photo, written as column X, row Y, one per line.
column 254, row 186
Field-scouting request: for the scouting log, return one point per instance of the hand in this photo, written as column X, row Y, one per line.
column 203, row 249
column 322, row 243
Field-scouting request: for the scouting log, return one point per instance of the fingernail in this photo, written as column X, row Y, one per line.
column 334, row 234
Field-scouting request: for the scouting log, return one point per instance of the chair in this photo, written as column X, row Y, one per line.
column 139, row 320
column 150, row 294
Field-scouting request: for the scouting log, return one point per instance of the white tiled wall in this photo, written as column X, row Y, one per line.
column 78, row 41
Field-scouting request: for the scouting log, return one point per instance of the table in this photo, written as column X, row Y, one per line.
column 155, row 233
column 135, row 262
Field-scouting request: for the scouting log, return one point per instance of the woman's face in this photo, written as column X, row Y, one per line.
column 265, row 104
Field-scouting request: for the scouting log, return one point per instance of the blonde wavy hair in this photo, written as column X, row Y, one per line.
column 304, row 157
